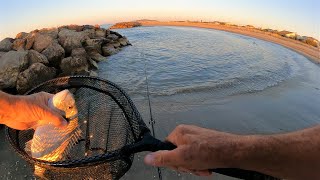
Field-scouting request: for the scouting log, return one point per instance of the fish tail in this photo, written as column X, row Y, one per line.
column 73, row 140
column 39, row 171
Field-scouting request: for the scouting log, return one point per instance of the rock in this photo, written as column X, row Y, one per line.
column 70, row 39
column 100, row 33
column 93, row 64
column 74, row 27
column 116, row 44
column 123, row 41
column 19, row 44
column 93, row 74
column 85, row 27
column 52, row 32
column 22, row 35
column 97, row 26
column 54, row 54
column 37, row 73
column 72, row 66
column 6, row 44
column 112, row 37
column 89, row 32
column 11, row 64
column 30, row 40
column 109, row 50
column 95, row 43
column 36, row 57
column 79, row 53
column 124, row 25
column 41, row 42
column 94, row 53
column 116, row 33
column 2, row 53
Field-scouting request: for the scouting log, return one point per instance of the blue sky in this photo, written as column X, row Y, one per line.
column 301, row 16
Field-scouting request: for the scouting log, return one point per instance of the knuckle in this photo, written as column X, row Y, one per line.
column 181, row 129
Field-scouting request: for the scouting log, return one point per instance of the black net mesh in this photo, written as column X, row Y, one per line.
column 108, row 120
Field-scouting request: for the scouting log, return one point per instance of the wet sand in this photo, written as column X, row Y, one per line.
column 310, row 52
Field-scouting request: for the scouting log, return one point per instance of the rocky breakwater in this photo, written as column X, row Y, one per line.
column 32, row 58
column 124, row 25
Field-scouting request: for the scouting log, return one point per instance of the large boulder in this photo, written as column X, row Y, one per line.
column 108, row 50
column 79, row 53
column 52, row 32
column 2, row 53
column 94, row 53
column 37, row 73
column 112, row 37
column 116, row 44
column 93, row 64
column 19, row 44
column 74, row 65
column 11, row 64
column 41, row 42
column 89, row 32
column 30, row 40
column 22, row 35
column 54, row 53
column 101, row 33
column 123, row 41
column 116, row 33
column 70, row 39
column 6, row 44
column 85, row 27
column 36, row 57
column 73, row 27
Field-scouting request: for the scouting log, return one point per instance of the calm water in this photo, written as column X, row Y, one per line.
column 181, row 60
column 192, row 74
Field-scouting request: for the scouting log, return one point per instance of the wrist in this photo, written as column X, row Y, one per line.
column 234, row 151
column 7, row 103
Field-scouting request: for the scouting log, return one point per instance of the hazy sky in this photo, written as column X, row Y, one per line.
column 301, row 16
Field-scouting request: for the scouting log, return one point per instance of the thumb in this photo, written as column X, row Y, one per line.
column 56, row 119
column 163, row 158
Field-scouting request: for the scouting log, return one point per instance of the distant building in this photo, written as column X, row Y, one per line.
column 312, row 41
column 268, row 30
column 249, row 26
column 302, row 38
column 288, row 34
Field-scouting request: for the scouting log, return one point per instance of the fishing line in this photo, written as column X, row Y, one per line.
column 152, row 121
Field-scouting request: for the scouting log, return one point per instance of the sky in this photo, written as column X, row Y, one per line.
column 301, row 16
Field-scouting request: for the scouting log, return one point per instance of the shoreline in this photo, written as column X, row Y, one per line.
column 311, row 53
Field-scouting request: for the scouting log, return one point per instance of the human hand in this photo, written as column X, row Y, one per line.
column 32, row 111
column 198, row 150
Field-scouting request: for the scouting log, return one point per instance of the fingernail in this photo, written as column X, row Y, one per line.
column 149, row 159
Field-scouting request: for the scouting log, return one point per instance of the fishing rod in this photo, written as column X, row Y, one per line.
column 152, row 121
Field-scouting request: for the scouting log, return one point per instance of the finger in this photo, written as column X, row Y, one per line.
column 55, row 118
column 17, row 126
column 164, row 158
column 201, row 172
column 180, row 131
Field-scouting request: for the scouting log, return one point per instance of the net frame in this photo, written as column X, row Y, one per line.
column 137, row 125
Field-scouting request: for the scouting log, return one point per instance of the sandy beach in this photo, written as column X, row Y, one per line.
column 310, row 52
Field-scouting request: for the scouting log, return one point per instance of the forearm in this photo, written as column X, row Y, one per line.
column 6, row 106
column 294, row 155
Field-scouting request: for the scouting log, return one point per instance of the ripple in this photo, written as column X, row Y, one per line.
column 186, row 60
